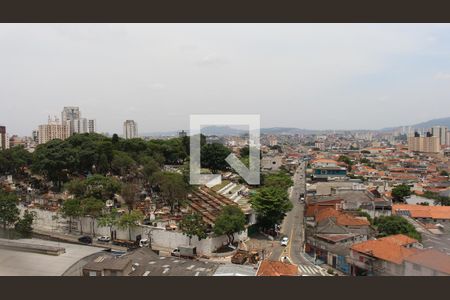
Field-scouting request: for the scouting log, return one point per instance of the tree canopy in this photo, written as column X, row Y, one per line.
column 213, row 157
column 9, row 213
column 193, row 225
column 271, row 205
column 401, row 192
column 230, row 220
column 390, row 225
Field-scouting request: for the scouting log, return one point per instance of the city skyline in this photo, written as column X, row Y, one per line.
column 352, row 76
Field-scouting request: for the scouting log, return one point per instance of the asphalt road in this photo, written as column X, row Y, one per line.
column 293, row 223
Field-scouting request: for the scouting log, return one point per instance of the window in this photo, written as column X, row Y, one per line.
column 92, row 273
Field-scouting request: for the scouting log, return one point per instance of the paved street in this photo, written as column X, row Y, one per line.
column 293, row 227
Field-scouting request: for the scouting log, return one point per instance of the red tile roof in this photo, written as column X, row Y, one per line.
column 385, row 249
column 277, row 268
column 421, row 211
column 341, row 218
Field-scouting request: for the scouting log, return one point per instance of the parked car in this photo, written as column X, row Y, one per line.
column 284, row 241
column 85, row 239
column 144, row 243
column 104, row 238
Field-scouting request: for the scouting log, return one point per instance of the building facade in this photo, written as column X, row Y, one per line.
column 4, row 138
column 53, row 130
column 440, row 132
column 130, row 129
column 426, row 144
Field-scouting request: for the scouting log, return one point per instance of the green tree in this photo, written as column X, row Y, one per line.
column 72, row 209
column 9, row 212
column 390, row 225
column 130, row 221
column 101, row 187
column 444, row 173
column 271, row 205
column 230, row 220
column 115, row 138
column 14, row 160
column 193, row 225
column 173, row 188
column 280, row 180
column 54, row 160
column 76, row 187
column 25, row 225
column 122, row 163
column 92, row 208
column 109, row 220
column 130, row 194
column 399, row 193
column 347, row 161
column 213, row 157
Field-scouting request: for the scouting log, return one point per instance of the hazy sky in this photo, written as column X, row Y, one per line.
column 317, row 76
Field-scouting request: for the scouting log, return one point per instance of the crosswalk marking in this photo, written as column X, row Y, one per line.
column 312, row 270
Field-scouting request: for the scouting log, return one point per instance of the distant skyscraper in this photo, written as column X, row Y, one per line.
column 92, row 126
column 35, row 136
column 4, row 138
column 68, row 117
column 130, row 129
column 71, row 116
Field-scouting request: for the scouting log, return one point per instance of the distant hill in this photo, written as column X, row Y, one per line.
column 425, row 125
column 435, row 122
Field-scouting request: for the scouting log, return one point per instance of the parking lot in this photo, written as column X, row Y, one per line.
column 148, row 263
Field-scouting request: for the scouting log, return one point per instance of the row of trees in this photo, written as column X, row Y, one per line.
column 84, row 154
column 95, row 210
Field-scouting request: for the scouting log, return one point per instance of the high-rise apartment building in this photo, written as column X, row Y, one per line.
column 71, row 116
column 92, row 126
column 53, row 130
column 130, row 129
column 441, row 132
column 426, row 144
column 4, row 138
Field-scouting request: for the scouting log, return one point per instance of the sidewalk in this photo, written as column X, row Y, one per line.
column 73, row 238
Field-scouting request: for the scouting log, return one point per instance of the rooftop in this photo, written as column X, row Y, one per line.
column 386, row 249
column 421, row 211
column 22, row 263
column 432, row 259
column 277, row 268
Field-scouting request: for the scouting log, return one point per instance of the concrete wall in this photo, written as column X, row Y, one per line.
column 164, row 240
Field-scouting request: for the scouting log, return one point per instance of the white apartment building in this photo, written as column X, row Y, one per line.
column 130, row 129
column 71, row 116
column 82, row 125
